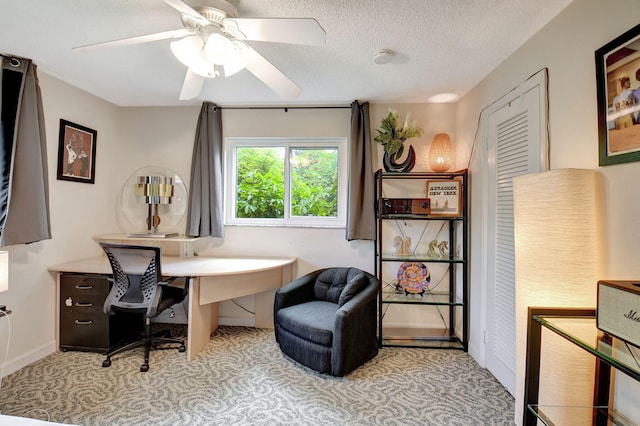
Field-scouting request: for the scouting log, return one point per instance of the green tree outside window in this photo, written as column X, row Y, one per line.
column 261, row 182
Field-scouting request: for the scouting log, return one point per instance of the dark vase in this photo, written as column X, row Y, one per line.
column 390, row 164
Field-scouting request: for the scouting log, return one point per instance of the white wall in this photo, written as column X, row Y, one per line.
column 317, row 248
column 78, row 210
column 431, row 118
column 132, row 138
column 566, row 47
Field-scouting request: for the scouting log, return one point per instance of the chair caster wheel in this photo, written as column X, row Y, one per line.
column 182, row 348
column 144, row 368
column 106, row 363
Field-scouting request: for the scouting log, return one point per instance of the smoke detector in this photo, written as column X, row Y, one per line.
column 383, row 56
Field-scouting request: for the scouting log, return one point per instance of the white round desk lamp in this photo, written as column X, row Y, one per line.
column 153, row 202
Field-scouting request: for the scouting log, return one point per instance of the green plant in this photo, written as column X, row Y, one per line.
column 391, row 137
column 261, row 182
column 260, row 185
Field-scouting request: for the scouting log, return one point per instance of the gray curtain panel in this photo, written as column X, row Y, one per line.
column 205, row 213
column 361, row 220
column 24, row 196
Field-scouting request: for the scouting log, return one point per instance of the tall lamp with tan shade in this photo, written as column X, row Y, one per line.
column 556, row 232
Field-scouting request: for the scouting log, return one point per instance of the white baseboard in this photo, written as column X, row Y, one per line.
column 237, row 321
column 29, row 358
column 477, row 354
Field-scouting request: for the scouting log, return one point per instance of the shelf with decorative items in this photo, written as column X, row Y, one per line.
column 421, row 259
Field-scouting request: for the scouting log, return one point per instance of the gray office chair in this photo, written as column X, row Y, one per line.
column 138, row 288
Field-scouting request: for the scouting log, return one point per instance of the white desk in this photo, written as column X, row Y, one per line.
column 211, row 280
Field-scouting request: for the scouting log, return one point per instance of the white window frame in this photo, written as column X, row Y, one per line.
column 231, row 143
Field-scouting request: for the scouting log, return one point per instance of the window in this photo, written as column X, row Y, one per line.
column 286, row 181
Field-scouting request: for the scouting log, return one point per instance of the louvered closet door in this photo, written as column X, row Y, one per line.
column 515, row 142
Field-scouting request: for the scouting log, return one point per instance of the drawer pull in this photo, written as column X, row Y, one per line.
column 84, row 305
column 84, row 322
column 84, row 287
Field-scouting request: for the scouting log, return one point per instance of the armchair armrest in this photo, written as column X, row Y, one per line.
column 354, row 335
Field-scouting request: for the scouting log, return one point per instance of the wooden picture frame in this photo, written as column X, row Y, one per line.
column 76, row 152
column 618, row 93
column 445, row 196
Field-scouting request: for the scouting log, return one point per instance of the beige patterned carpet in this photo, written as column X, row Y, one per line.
column 242, row 378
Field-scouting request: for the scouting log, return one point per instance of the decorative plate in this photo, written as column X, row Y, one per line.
column 413, row 277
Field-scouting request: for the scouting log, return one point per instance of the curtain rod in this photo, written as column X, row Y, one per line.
column 286, row 109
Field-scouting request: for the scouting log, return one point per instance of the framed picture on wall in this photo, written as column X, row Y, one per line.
column 445, row 196
column 618, row 91
column 76, row 152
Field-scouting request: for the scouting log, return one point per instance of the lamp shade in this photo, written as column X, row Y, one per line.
column 556, row 236
column 155, row 189
column 440, row 153
column 149, row 185
column 4, row 271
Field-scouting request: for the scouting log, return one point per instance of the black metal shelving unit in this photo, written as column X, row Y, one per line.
column 448, row 336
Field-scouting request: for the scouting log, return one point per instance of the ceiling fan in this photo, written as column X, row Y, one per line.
column 211, row 44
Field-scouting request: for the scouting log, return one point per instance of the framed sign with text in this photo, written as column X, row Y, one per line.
column 445, row 196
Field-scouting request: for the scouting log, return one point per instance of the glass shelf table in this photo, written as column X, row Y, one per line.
column 578, row 326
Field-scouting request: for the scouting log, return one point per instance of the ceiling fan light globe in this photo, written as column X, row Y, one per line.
column 189, row 51
column 206, row 70
column 219, row 49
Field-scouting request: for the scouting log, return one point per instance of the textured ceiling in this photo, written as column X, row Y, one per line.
column 443, row 46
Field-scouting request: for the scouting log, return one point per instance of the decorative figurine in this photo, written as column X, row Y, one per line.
column 432, row 249
column 443, row 247
column 402, row 245
column 437, row 249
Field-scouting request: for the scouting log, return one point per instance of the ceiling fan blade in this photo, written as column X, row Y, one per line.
column 278, row 30
column 185, row 9
column 137, row 40
column 192, row 86
column 268, row 73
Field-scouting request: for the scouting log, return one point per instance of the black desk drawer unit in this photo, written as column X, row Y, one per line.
column 83, row 324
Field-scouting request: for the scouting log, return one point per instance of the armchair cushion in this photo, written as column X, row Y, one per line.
column 312, row 321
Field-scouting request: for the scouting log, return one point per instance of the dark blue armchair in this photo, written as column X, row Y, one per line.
column 326, row 320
